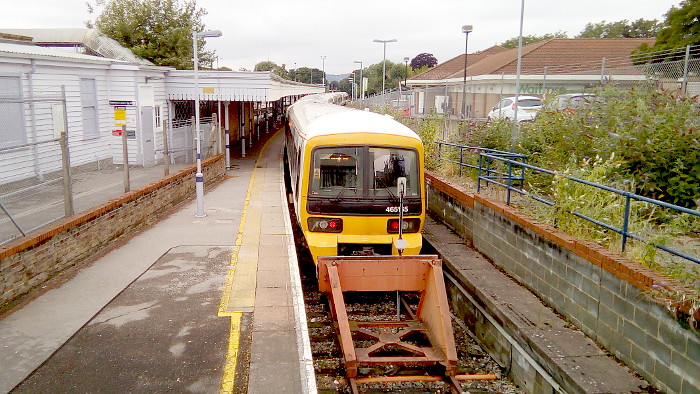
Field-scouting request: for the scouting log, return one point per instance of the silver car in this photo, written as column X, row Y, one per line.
column 505, row 109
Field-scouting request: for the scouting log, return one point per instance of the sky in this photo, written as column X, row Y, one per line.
column 297, row 33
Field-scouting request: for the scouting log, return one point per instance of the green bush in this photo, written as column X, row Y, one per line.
column 655, row 135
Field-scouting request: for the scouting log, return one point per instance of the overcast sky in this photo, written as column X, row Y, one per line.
column 299, row 32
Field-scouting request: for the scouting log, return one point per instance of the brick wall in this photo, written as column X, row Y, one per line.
column 29, row 262
column 601, row 292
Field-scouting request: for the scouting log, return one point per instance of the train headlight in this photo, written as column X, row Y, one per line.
column 409, row 226
column 325, row 225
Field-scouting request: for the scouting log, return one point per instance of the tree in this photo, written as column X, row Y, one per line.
column 307, row 75
column 273, row 67
column 423, row 59
column 681, row 28
column 513, row 42
column 156, row 30
column 640, row 28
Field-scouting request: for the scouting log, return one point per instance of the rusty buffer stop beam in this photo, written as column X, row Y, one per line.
column 423, row 274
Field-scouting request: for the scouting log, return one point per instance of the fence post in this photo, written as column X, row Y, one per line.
column 625, row 223
column 685, row 70
column 478, row 174
column 510, row 181
column 67, row 189
column 125, row 161
column 544, row 82
column 461, row 159
column 602, row 71
column 166, row 149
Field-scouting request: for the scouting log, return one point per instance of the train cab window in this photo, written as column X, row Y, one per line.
column 336, row 172
column 388, row 164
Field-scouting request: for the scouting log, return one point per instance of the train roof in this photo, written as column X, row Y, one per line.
column 313, row 116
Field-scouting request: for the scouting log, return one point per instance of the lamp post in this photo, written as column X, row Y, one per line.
column 199, row 177
column 466, row 29
column 384, row 70
column 405, row 60
column 323, row 69
column 295, row 71
column 514, row 133
column 362, row 82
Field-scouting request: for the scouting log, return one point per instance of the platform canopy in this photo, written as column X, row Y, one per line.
column 219, row 85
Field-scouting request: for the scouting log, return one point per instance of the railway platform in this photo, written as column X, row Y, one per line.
column 149, row 315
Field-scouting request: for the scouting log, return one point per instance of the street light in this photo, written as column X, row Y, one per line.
column 199, row 177
column 405, row 60
column 323, row 69
column 514, row 133
column 362, row 82
column 466, row 29
column 384, row 70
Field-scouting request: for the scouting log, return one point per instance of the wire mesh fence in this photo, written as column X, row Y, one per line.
column 31, row 157
column 676, row 70
column 49, row 170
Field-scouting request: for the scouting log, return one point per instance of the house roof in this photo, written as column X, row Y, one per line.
column 559, row 55
column 95, row 42
column 456, row 65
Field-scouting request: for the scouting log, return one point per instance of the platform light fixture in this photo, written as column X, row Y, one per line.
column 199, row 177
column 466, row 29
column 362, row 82
column 384, row 42
column 323, row 70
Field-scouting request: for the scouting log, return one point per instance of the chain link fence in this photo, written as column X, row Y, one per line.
column 49, row 170
column 675, row 70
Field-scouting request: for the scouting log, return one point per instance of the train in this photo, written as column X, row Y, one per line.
column 356, row 179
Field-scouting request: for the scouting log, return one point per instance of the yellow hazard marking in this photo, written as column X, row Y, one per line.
column 229, row 377
column 246, row 295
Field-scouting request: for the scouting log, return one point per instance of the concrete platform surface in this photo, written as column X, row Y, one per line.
column 170, row 309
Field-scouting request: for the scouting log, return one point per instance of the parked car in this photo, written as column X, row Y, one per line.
column 571, row 101
column 505, row 109
column 401, row 105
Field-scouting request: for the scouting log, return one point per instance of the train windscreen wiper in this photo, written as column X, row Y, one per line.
column 394, row 198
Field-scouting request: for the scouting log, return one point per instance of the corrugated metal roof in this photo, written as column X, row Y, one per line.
column 91, row 39
column 37, row 51
column 56, row 36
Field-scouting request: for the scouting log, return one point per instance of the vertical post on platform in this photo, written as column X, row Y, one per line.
column 241, row 128
column 227, row 136
column 250, row 123
column 199, row 177
column 125, row 161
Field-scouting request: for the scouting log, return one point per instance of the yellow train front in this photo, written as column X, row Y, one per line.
column 345, row 167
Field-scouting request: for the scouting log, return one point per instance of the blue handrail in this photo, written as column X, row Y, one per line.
column 515, row 183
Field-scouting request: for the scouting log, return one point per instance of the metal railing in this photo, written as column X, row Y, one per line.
column 507, row 170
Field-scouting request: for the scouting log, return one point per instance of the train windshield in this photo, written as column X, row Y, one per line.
column 369, row 172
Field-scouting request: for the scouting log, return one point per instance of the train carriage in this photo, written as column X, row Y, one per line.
column 346, row 166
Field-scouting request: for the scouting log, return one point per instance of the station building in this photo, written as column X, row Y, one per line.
column 85, row 84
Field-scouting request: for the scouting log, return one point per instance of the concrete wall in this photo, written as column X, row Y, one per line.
column 602, row 293
column 29, row 262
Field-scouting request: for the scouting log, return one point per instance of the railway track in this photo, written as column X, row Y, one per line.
column 327, row 355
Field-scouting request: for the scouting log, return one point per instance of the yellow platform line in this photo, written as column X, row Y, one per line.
column 229, row 371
